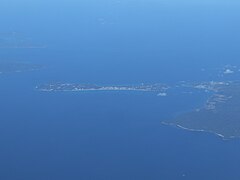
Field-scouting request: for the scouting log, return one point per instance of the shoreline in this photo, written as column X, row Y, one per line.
column 199, row 130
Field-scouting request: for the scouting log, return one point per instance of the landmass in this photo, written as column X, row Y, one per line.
column 160, row 88
column 14, row 40
column 14, row 67
column 220, row 114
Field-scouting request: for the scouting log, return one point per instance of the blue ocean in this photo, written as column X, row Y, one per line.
column 113, row 135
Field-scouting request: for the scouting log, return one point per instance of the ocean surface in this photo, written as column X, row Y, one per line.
column 113, row 135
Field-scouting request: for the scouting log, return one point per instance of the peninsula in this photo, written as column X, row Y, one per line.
column 220, row 114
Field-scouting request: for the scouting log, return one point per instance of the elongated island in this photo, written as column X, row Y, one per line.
column 160, row 88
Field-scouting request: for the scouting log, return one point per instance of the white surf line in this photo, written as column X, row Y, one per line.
column 197, row 130
column 200, row 130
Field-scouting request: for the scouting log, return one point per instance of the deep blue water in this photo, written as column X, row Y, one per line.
column 112, row 135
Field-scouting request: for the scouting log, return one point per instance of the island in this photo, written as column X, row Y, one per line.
column 160, row 88
column 219, row 115
column 14, row 40
column 15, row 67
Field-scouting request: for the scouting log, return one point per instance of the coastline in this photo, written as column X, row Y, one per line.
column 199, row 130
